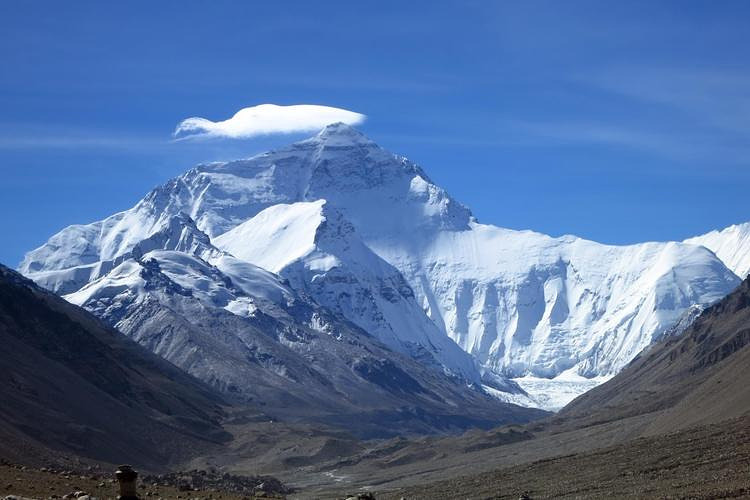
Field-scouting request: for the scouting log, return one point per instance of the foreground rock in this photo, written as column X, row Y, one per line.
column 19, row 482
column 212, row 480
column 703, row 462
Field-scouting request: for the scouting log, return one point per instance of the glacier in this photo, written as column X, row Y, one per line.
column 367, row 234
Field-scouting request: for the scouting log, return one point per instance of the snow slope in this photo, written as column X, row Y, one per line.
column 523, row 304
column 319, row 252
column 527, row 304
column 731, row 245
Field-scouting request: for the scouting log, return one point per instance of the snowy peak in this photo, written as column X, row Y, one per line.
column 79, row 254
column 319, row 251
column 231, row 284
column 286, row 233
column 179, row 233
column 367, row 234
column 731, row 245
column 345, row 161
column 277, row 236
column 340, row 165
column 340, row 134
column 314, row 235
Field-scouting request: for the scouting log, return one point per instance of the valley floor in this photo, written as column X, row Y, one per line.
column 704, row 462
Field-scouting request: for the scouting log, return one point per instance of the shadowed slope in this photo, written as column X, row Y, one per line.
column 70, row 384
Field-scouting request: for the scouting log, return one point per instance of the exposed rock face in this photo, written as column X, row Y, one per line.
column 246, row 332
column 73, row 385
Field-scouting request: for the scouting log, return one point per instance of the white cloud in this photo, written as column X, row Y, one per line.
column 268, row 119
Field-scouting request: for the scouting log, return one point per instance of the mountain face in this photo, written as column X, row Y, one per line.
column 246, row 332
column 319, row 252
column 731, row 245
column 699, row 377
column 71, row 385
column 293, row 359
column 367, row 234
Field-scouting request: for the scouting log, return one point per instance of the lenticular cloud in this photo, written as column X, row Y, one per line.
column 267, row 119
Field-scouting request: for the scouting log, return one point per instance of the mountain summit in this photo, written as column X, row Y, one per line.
column 341, row 134
column 370, row 236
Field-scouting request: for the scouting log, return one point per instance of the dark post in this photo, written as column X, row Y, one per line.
column 126, row 478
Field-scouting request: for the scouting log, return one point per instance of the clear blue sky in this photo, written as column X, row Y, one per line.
column 616, row 121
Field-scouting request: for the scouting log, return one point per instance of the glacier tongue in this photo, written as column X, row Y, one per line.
column 553, row 394
column 523, row 304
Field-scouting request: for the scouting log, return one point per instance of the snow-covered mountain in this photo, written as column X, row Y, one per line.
column 246, row 332
column 731, row 245
column 320, row 253
column 369, row 235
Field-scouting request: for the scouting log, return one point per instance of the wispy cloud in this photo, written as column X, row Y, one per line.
column 718, row 98
column 267, row 119
column 573, row 132
column 52, row 140
column 691, row 115
column 692, row 146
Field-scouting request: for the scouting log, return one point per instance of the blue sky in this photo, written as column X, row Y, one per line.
column 616, row 121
